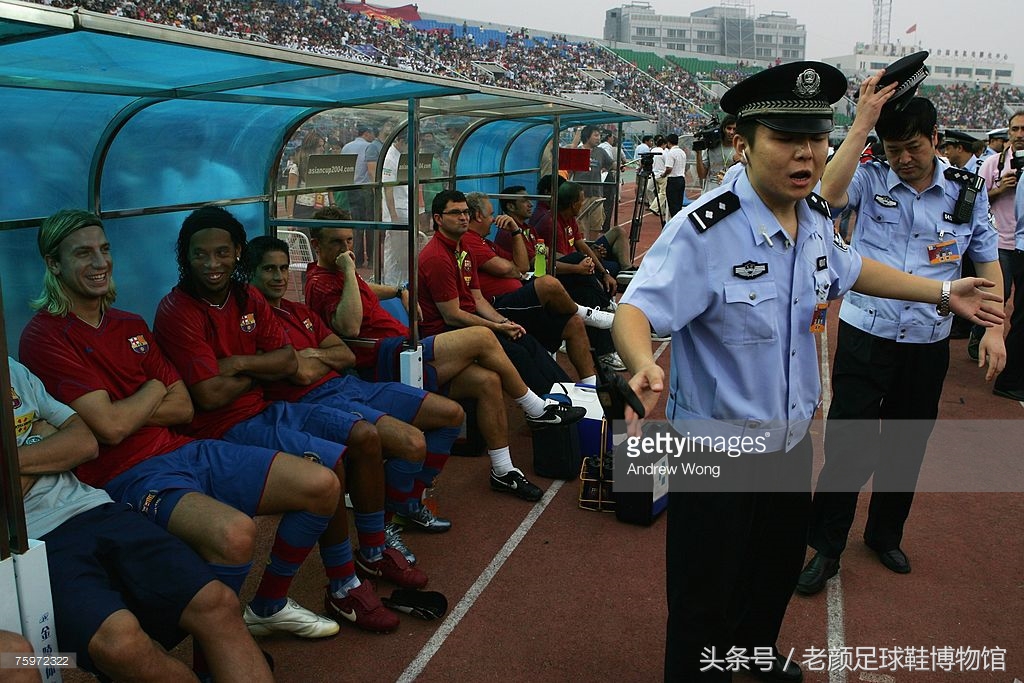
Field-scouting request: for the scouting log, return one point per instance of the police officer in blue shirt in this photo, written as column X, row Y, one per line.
column 919, row 215
column 742, row 279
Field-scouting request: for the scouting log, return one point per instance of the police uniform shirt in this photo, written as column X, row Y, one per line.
column 903, row 229
column 739, row 299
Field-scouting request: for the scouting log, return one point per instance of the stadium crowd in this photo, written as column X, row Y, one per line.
column 542, row 65
column 532, row 63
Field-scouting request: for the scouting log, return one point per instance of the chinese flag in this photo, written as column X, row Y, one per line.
column 912, row 28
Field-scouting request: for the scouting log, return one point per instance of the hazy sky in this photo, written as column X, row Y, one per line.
column 832, row 27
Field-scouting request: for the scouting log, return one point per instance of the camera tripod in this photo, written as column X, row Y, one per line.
column 644, row 179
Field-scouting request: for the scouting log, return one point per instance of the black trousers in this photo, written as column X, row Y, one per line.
column 1012, row 376
column 732, row 562
column 675, row 191
column 535, row 366
column 885, row 398
column 587, row 290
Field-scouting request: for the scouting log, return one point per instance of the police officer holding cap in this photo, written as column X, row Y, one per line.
column 742, row 279
column 919, row 215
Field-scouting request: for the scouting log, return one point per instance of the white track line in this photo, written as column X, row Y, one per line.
column 835, row 628
column 417, row 665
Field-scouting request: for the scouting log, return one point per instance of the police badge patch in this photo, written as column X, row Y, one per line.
column 886, row 201
column 750, row 270
column 248, row 322
column 139, row 343
column 808, row 84
column 838, row 240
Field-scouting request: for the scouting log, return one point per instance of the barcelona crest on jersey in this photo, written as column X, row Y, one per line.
column 248, row 322
column 139, row 343
column 308, row 323
column 465, row 262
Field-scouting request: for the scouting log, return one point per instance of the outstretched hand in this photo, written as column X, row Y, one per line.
column 970, row 298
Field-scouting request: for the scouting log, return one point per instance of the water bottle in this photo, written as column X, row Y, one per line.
column 540, row 259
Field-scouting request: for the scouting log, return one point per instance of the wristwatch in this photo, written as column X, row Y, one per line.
column 400, row 288
column 943, row 307
column 35, row 438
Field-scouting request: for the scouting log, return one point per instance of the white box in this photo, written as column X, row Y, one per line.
column 411, row 367
column 37, row 625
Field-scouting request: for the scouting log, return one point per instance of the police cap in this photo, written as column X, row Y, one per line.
column 909, row 72
column 999, row 134
column 795, row 97
column 958, row 137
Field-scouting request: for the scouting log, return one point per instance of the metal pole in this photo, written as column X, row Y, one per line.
column 412, row 148
column 552, row 255
column 12, row 506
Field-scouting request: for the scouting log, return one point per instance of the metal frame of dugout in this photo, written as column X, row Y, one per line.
column 143, row 123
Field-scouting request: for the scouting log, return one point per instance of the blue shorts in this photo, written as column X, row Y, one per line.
column 298, row 428
column 371, row 400
column 223, row 471
column 108, row 559
column 388, row 369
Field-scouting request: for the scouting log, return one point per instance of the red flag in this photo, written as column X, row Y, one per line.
column 912, row 28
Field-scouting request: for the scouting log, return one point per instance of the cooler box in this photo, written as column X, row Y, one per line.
column 590, row 427
column 640, row 507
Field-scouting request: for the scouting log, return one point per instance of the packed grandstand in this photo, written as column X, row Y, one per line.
column 673, row 91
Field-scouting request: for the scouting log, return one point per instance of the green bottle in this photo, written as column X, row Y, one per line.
column 540, row 259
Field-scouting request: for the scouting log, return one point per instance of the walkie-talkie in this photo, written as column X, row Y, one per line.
column 615, row 394
column 970, row 185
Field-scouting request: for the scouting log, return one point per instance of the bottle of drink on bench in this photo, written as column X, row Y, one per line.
column 540, row 259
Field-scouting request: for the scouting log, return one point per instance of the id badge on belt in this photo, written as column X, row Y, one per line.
column 943, row 252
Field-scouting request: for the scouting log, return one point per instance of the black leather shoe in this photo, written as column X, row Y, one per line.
column 779, row 672
column 817, row 572
column 1012, row 394
column 894, row 560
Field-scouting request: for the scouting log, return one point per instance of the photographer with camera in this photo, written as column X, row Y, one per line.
column 1002, row 173
column 712, row 145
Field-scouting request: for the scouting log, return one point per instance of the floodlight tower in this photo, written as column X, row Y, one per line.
column 880, row 22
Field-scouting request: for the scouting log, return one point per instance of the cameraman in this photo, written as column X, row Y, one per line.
column 714, row 157
column 1009, row 215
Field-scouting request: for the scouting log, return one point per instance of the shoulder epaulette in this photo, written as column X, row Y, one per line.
column 959, row 175
column 706, row 215
column 818, row 203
